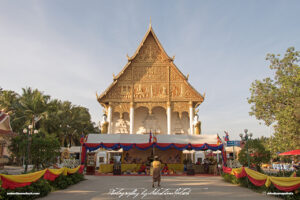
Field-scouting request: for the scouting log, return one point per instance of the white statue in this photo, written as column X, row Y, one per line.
column 197, row 125
column 104, row 124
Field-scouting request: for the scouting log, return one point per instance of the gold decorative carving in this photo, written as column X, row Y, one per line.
column 174, row 75
column 151, row 105
column 120, row 91
column 126, row 75
column 121, row 108
column 176, row 90
column 180, row 107
column 150, row 52
column 149, row 73
column 150, row 91
column 150, row 77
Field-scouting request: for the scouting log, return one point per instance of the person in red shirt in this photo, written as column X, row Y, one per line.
column 142, row 169
column 111, row 161
column 165, row 169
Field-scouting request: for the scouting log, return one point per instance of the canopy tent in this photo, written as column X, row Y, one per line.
column 141, row 142
column 233, row 149
column 125, row 141
column 291, row 153
column 140, row 139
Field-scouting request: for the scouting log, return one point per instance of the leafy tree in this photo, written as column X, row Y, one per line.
column 34, row 105
column 276, row 101
column 44, row 150
column 18, row 147
column 257, row 154
column 61, row 120
column 69, row 122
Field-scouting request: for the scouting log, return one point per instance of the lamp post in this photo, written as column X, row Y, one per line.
column 245, row 138
column 28, row 131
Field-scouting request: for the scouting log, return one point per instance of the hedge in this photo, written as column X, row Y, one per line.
column 42, row 186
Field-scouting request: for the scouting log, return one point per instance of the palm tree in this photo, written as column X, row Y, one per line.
column 34, row 105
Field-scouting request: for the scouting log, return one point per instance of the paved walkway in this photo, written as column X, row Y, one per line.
column 13, row 170
column 99, row 187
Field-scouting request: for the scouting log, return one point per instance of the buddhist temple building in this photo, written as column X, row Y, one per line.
column 150, row 94
column 6, row 134
column 149, row 110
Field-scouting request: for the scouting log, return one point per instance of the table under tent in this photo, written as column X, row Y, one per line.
column 132, row 150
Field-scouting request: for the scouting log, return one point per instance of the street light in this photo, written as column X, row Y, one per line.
column 28, row 131
column 245, row 138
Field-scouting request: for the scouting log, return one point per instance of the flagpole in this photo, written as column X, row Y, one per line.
column 233, row 152
column 152, row 143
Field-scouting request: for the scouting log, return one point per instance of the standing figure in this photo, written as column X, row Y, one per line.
column 156, row 171
column 104, row 124
column 197, row 125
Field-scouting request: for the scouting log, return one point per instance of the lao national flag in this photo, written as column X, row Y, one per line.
column 82, row 139
column 227, row 136
column 150, row 137
column 154, row 139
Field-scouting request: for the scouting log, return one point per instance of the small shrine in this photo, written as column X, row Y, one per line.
column 6, row 134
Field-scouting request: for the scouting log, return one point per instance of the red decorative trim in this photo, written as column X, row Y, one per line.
column 49, row 176
column 7, row 184
column 287, row 189
column 83, row 151
column 227, row 170
column 256, row 182
column 80, row 171
column 242, row 174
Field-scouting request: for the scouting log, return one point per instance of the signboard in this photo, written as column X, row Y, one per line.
column 233, row 143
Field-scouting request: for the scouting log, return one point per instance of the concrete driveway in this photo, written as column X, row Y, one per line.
column 140, row 187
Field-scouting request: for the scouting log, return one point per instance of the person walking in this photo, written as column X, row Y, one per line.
column 156, row 165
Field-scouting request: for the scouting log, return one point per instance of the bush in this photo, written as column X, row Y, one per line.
column 230, row 178
column 41, row 186
column 77, row 177
column 245, row 182
column 44, row 187
column 59, row 183
column 62, row 182
column 298, row 173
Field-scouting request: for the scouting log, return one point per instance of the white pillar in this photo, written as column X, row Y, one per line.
column 109, row 116
column 191, row 119
column 169, row 118
column 131, row 118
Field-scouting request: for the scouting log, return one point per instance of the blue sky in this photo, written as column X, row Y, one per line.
column 70, row 49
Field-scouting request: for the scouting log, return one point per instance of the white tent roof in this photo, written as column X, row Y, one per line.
column 138, row 139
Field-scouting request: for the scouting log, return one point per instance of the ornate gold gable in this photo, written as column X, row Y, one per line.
column 150, row 77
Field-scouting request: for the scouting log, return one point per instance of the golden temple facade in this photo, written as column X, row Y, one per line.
column 150, row 94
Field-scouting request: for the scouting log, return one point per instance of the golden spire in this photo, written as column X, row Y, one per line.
column 150, row 23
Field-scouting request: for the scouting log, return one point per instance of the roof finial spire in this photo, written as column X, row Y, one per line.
column 150, row 23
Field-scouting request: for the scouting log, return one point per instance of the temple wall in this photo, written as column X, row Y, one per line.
column 143, row 121
column 180, row 125
column 154, row 91
column 157, row 122
column 140, row 115
column 120, row 125
column 161, row 120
